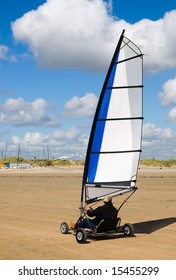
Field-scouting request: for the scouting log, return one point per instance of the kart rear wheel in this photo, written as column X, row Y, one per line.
column 81, row 235
column 128, row 230
column 64, row 228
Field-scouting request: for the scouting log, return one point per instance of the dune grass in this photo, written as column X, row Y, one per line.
column 160, row 163
column 65, row 162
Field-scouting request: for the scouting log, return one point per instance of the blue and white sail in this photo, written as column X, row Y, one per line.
column 115, row 141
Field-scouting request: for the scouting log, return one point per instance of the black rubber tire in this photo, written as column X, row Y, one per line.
column 81, row 235
column 128, row 230
column 64, row 228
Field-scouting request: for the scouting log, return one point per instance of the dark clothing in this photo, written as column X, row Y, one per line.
column 107, row 211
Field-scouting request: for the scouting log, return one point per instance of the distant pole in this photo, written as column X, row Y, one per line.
column 27, row 153
column 19, row 152
column 48, row 152
column 5, row 153
column 43, row 152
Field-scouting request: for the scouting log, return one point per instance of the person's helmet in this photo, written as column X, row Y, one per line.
column 107, row 199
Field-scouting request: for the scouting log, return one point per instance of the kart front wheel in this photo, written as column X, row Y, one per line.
column 64, row 228
column 81, row 235
column 128, row 230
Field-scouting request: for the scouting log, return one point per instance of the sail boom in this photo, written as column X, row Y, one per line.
column 122, row 184
column 112, row 194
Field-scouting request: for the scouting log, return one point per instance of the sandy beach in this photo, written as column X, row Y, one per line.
column 33, row 203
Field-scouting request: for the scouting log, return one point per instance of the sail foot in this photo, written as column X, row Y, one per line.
column 98, row 191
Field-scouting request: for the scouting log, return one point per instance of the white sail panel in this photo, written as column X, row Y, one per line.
column 100, row 192
column 117, row 167
column 115, row 141
column 125, row 103
column 125, row 74
column 127, row 138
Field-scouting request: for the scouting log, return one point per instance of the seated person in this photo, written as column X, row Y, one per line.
column 107, row 211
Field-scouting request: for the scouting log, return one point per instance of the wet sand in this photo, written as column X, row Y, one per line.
column 33, row 203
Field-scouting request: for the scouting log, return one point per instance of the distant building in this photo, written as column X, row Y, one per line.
column 20, row 165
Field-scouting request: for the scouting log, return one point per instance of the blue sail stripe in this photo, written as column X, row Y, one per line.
column 111, row 78
column 105, row 104
column 96, row 146
column 92, row 167
column 100, row 126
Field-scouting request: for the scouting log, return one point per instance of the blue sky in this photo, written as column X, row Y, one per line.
column 53, row 59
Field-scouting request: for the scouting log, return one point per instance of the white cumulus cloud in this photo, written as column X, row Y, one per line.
column 19, row 112
column 67, row 33
column 168, row 97
column 81, row 106
column 5, row 54
column 59, row 143
column 158, row 142
column 83, row 34
column 30, row 139
column 151, row 132
column 168, row 94
column 3, row 51
column 172, row 114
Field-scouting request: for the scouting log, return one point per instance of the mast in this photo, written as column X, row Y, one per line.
column 96, row 115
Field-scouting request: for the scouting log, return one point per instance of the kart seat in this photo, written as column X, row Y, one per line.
column 107, row 225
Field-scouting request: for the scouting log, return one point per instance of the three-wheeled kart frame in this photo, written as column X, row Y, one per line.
column 105, row 227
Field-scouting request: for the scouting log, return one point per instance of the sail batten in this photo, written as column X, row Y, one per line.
column 121, row 87
column 139, row 55
column 114, row 146
column 115, row 152
column 120, row 119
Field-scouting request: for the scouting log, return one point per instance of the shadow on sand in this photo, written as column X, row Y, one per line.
column 151, row 226
column 139, row 228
